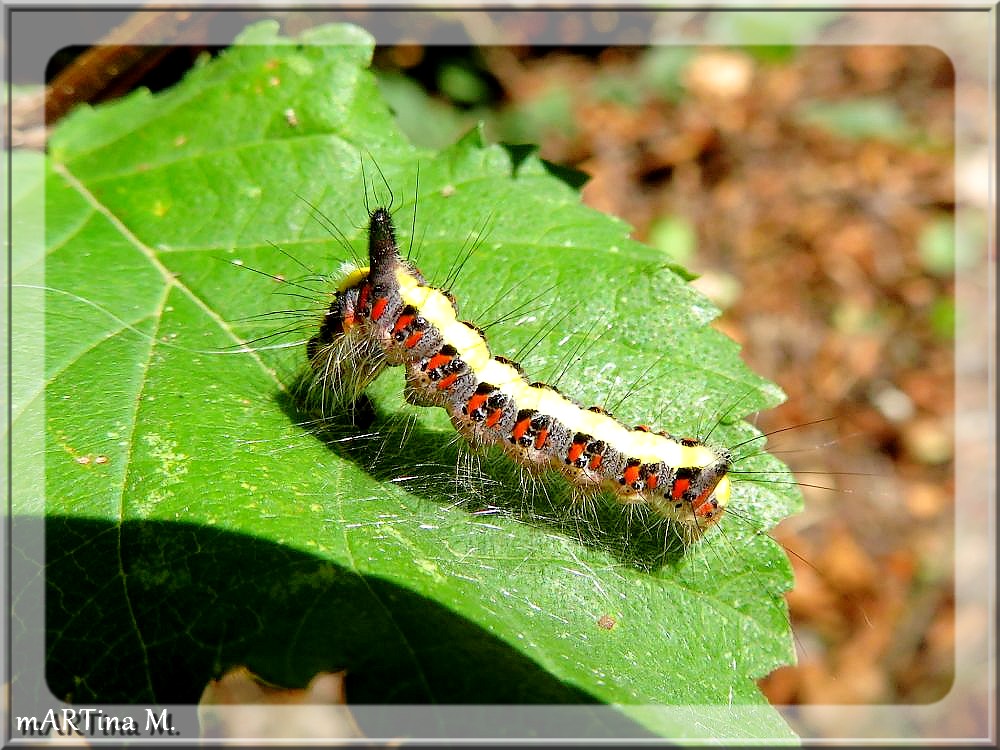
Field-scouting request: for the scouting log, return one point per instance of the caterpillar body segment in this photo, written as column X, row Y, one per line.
column 343, row 357
column 387, row 315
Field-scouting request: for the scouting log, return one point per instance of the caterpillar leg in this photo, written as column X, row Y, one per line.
column 418, row 389
column 341, row 371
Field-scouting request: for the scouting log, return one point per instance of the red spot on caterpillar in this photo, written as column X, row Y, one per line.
column 575, row 451
column 543, row 435
column 595, row 461
column 363, row 295
column 631, row 474
column 703, row 507
column 437, row 361
column 402, row 322
column 447, row 382
column 680, row 487
column 477, row 400
column 519, row 429
column 348, row 321
column 413, row 339
column 379, row 307
column 651, row 481
column 494, row 417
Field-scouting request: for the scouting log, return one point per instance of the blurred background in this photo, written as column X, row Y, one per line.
column 812, row 186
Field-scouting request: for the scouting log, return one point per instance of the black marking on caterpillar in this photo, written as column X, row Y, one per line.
column 386, row 314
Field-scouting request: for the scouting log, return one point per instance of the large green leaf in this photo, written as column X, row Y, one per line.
column 196, row 521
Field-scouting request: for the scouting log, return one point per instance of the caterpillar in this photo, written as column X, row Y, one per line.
column 386, row 314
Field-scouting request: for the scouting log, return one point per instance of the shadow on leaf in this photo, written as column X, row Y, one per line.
column 150, row 611
column 441, row 467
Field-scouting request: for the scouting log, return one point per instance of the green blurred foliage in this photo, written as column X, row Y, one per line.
column 858, row 119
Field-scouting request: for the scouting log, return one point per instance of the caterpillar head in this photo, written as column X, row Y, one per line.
column 383, row 250
column 384, row 257
column 343, row 359
column 706, row 494
column 341, row 315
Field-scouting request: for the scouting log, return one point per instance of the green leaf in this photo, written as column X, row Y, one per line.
column 425, row 120
column 662, row 70
column 770, row 37
column 549, row 111
column 867, row 118
column 675, row 237
column 946, row 247
column 937, row 247
column 460, row 82
column 196, row 521
column 618, row 88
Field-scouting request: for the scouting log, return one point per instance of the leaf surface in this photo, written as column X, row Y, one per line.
column 196, row 521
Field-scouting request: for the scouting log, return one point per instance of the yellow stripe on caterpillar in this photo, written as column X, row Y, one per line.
column 439, row 312
column 352, row 276
column 472, row 348
column 723, row 490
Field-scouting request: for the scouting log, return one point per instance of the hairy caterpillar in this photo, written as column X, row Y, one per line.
column 386, row 314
